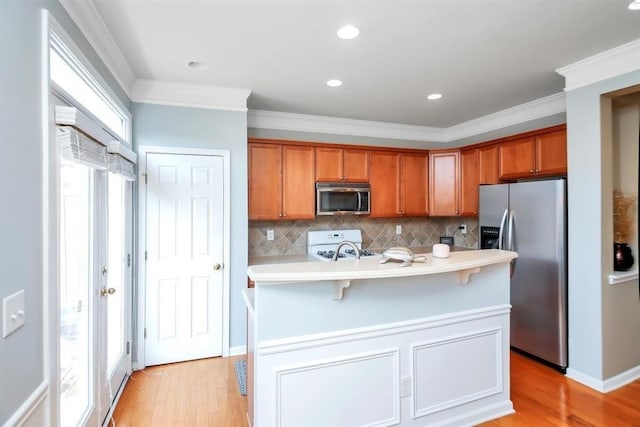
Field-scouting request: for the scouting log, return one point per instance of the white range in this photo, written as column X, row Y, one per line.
column 322, row 244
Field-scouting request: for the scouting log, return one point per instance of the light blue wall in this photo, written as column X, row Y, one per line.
column 170, row 126
column 21, row 189
column 596, row 310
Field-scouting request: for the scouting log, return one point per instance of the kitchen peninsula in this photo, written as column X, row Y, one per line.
column 355, row 342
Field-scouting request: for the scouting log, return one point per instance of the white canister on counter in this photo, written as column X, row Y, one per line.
column 440, row 250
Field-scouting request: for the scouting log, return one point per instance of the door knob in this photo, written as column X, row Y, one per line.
column 216, row 266
column 106, row 291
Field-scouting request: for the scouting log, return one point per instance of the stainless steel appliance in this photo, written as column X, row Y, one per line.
column 342, row 198
column 530, row 218
column 322, row 244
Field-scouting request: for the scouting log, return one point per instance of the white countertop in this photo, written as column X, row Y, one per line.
column 367, row 268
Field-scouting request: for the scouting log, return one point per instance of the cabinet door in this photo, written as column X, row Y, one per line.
column 298, row 182
column 265, row 181
column 488, row 165
column 355, row 165
column 444, row 184
column 384, row 178
column 469, row 172
column 328, row 164
column 413, row 184
column 551, row 153
column 517, row 158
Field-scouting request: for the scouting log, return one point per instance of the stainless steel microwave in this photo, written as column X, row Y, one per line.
column 342, row 198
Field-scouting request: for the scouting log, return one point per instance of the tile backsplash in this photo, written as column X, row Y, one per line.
column 290, row 237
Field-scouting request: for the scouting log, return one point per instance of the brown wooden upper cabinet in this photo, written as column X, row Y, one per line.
column 385, row 183
column 281, row 182
column 337, row 164
column 398, row 184
column 470, row 178
column 477, row 166
column 444, row 183
column 537, row 155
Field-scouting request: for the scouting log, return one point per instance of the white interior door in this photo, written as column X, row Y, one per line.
column 184, row 251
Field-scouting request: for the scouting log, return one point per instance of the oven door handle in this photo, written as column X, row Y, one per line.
column 503, row 222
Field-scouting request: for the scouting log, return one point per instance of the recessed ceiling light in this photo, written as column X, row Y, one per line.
column 434, row 96
column 348, row 32
column 197, row 65
column 634, row 5
column 334, row 83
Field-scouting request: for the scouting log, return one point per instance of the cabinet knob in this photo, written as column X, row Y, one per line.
column 530, row 170
column 284, row 214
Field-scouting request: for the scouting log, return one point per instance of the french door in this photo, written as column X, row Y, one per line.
column 95, row 286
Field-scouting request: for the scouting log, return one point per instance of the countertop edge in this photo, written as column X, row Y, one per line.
column 370, row 268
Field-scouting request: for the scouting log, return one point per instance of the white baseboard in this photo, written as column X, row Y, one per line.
column 32, row 411
column 605, row 386
column 237, row 350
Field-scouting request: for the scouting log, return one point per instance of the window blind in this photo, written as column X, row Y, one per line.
column 75, row 146
column 121, row 166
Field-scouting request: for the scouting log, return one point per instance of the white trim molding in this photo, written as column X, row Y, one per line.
column 605, row 386
column 90, row 22
column 604, row 65
column 339, row 126
column 33, row 411
column 189, row 95
column 536, row 109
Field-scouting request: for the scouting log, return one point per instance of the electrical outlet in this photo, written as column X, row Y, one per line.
column 405, row 386
column 463, row 228
column 398, row 229
column 270, row 235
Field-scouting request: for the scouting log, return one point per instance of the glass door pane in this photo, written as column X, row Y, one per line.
column 117, row 258
column 76, row 282
column 115, row 303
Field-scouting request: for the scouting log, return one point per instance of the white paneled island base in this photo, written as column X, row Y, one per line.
column 357, row 343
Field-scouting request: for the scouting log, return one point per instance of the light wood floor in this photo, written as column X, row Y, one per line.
column 205, row 393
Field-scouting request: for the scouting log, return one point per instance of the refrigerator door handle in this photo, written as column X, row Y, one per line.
column 503, row 222
column 511, row 239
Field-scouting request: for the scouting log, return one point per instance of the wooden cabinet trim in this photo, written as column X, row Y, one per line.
column 370, row 148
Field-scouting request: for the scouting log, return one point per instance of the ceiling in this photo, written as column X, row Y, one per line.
column 484, row 56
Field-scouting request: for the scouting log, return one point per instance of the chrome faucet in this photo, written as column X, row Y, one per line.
column 347, row 243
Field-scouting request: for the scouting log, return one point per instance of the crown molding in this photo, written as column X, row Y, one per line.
column 88, row 19
column 189, row 95
column 536, row 109
column 334, row 125
column 610, row 63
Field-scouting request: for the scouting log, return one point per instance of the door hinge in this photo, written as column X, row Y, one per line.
column 145, row 333
column 128, row 260
column 128, row 347
column 145, row 178
column 145, row 255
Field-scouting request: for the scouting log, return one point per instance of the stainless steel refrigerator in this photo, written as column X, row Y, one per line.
column 530, row 218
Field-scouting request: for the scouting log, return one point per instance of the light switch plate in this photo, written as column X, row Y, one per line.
column 12, row 313
column 398, row 229
column 270, row 235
